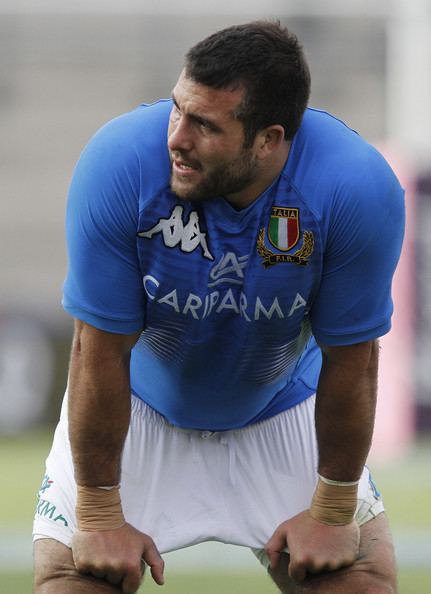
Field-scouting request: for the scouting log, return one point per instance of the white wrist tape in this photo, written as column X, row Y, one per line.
column 338, row 483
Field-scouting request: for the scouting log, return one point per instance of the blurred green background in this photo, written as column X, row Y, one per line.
column 213, row 568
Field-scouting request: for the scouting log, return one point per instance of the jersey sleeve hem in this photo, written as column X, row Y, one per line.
column 106, row 324
column 333, row 339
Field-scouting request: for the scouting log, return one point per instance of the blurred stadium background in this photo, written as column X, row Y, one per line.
column 65, row 69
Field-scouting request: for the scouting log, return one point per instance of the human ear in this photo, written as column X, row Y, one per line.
column 269, row 139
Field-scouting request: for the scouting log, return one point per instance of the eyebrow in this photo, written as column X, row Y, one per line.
column 197, row 118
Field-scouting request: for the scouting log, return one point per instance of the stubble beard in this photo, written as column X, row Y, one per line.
column 221, row 181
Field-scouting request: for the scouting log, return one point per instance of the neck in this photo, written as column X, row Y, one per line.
column 269, row 172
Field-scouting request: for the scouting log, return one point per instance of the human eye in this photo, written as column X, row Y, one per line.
column 175, row 112
column 206, row 126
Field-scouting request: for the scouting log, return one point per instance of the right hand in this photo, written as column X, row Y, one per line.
column 117, row 556
column 313, row 546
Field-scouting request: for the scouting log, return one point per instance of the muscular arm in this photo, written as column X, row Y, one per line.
column 345, row 407
column 99, row 416
column 99, row 403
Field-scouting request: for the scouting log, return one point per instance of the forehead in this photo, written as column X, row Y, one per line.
column 217, row 104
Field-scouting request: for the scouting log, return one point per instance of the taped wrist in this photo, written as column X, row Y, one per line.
column 99, row 508
column 334, row 502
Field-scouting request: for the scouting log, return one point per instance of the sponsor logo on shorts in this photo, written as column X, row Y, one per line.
column 46, row 509
column 46, row 483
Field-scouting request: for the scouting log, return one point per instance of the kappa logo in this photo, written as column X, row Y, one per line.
column 188, row 236
column 229, row 269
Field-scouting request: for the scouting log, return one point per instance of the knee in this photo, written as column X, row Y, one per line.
column 373, row 586
column 370, row 583
column 48, row 574
column 54, row 572
column 53, row 565
column 45, row 583
column 338, row 582
column 379, row 587
column 50, row 581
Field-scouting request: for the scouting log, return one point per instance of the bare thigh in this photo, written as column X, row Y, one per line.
column 374, row 572
column 55, row 572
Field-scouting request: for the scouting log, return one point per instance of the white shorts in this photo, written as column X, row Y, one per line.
column 183, row 487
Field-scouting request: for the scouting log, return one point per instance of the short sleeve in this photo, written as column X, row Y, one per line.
column 103, row 286
column 365, row 233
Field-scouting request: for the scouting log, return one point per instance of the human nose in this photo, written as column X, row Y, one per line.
column 179, row 135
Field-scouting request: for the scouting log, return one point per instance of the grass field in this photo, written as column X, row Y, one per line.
column 406, row 486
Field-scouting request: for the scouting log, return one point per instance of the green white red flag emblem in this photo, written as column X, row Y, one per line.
column 283, row 228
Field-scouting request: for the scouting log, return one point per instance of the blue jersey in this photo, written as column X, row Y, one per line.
column 230, row 303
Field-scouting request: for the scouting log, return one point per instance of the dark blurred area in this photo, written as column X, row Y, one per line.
column 422, row 355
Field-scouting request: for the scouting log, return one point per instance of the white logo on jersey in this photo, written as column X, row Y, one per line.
column 229, row 269
column 217, row 302
column 174, row 232
column 297, row 304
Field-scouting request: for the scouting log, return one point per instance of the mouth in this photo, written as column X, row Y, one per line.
column 184, row 167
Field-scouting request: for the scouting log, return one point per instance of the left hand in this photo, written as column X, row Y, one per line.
column 313, row 546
